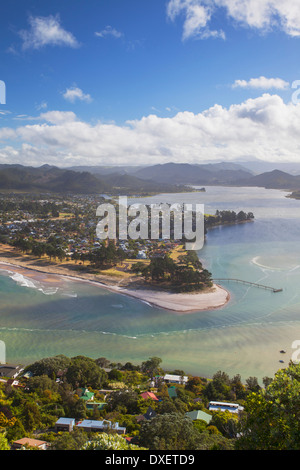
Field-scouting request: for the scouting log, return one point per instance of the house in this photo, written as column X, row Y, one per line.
column 150, row 413
column 175, row 379
column 198, row 414
column 95, row 404
column 28, row 442
column 64, row 424
column 9, row 370
column 85, row 394
column 100, row 426
column 149, row 396
column 141, row 255
column 14, row 383
column 221, row 406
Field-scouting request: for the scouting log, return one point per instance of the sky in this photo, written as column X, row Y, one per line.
column 131, row 82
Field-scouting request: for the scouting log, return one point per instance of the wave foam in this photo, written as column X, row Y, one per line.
column 32, row 284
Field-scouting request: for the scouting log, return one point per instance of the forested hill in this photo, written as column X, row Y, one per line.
column 52, row 179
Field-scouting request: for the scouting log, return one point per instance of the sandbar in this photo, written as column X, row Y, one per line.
column 213, row 298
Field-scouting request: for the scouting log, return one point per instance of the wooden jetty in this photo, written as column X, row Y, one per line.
column 254, row 284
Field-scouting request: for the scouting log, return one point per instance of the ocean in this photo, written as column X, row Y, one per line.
column 41, row 319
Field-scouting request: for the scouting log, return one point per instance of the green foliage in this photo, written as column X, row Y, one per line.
column 70, row 441
column 3, row 442
column 152, row 366
column 84, row 372
column 41, row 384
column 226, row 423
column 272, row 420
column 109, row 442
column 170, row 431
column 188, row 276
column 126, row 400
column 49, row 366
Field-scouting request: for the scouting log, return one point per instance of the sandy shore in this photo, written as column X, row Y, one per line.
column 213, row 298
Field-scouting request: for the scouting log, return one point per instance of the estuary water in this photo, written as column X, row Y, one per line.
column 39, row 318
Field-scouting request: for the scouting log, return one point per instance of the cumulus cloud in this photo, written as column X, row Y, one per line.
column 46, row 31
column 263, row 15
column 109, row 31
column 197, row 17
column 265, row 128
column 74, row 93
column 262, row 83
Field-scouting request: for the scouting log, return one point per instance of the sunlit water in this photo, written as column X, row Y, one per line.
column 40, row 319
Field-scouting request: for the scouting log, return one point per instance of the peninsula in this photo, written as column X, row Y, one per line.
column 47, row 236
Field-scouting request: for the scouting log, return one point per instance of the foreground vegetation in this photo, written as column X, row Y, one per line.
column 31, row 407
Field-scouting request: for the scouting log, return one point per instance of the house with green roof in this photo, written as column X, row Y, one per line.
column 86, row 395
column 98, row 405
column 198, row 414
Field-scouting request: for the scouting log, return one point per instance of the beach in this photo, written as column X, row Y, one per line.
column 212, row 298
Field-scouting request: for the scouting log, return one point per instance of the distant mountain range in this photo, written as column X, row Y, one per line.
column 52, row 179
column 168, row 177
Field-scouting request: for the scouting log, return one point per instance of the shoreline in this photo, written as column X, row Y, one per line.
column 180, row 303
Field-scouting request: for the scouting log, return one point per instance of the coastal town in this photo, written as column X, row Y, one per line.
column 57, row 234
column 79, row 403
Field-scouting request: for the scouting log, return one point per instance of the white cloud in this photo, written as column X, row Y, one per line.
column 42, row 105
column 265, row 128
column 197, row 17
column 58, row 117
column 263, row 15
column 262, row 83
column 109, row 31
column 46, row 31
column 74, row 93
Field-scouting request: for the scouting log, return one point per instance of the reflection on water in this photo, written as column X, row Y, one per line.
column 244, row 337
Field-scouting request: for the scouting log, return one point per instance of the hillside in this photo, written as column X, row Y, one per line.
column 52, row 179
column 275, row 179
column 184, row 173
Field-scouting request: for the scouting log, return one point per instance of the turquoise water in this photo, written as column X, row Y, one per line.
column 39, row 319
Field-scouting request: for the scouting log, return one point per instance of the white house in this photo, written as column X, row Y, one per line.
column 221, row 406
column 176, row 379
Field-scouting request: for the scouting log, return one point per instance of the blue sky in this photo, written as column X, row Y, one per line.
column 138, row 82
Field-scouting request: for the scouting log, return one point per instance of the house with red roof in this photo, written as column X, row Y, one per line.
column 149, row 396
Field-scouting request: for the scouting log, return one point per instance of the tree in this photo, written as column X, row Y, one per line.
column 50, row 366
column 151, row 367
column 252, row 384
column 169, row 432
column 41, row 383
column 109, row 442
column 126, row 399
column 70, row 441
column 15, row 432
column 226, row 422
column 115, row 375
column 3, row 442
column 219, row 388
column 272, row 415
column 31, row 416
column 84, row 372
